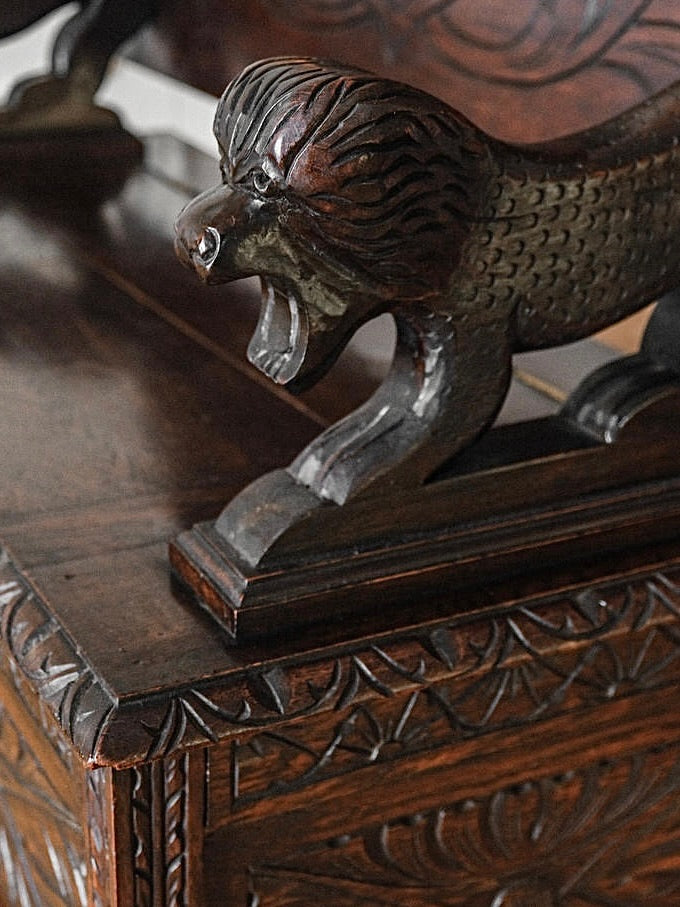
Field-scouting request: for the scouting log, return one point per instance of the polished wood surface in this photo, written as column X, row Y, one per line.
column 512, row 741
column 150, row 422
column 340, row 761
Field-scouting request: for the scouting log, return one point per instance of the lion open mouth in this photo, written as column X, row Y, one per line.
column 279, row 344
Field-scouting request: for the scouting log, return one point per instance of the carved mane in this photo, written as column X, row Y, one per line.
column 392, row 192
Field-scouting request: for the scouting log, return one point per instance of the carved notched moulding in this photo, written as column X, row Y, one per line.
column 351, row 195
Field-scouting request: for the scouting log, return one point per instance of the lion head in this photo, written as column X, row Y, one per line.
column 347, row 194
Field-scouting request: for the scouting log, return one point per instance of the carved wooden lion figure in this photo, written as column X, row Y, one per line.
column 351, row 195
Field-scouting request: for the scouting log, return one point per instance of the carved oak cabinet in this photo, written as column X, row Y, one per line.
column 508, row 739
column 508, row 742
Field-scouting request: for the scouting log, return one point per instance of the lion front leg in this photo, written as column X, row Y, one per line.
column 446, row 385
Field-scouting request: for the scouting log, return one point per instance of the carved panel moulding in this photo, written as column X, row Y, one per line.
column 606, row 834
column 159, row 824
column 159, row 817
column 143, row 816
column 100, row 837
column 493, row 654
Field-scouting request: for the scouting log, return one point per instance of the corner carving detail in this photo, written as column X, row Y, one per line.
column 43, row 655
column 470, row 676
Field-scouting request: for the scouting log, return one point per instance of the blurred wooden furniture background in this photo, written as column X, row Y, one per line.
column 513, row 743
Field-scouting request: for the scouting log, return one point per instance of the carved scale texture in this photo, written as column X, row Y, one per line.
column 571, row 252
column 606, row 834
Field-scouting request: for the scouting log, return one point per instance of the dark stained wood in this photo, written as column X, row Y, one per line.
column 116, row 383
column 525, row 72
column 62, row 310
column 561, row 811
column 45, row 851
column 54, row 138
column 514, row 740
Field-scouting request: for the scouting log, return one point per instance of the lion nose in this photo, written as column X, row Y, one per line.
column 208, row 231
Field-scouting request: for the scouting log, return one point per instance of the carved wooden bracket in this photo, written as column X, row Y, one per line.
column 51, row 131
column 350, row 196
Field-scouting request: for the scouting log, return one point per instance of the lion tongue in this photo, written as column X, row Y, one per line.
column 279, row 343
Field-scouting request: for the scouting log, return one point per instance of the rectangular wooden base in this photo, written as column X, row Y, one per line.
column 383, row 582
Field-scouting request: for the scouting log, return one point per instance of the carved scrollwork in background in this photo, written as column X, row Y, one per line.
column 537, row 44
column 521, row 71
column 602, row 835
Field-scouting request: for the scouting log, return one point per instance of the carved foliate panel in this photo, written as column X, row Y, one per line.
column 606, row 834
column 42, row 859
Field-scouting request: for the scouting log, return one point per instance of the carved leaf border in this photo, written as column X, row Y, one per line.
column 484, row 658
column 43, row 654
column 623, row 637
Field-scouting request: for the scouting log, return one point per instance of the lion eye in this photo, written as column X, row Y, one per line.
column 262, row 182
